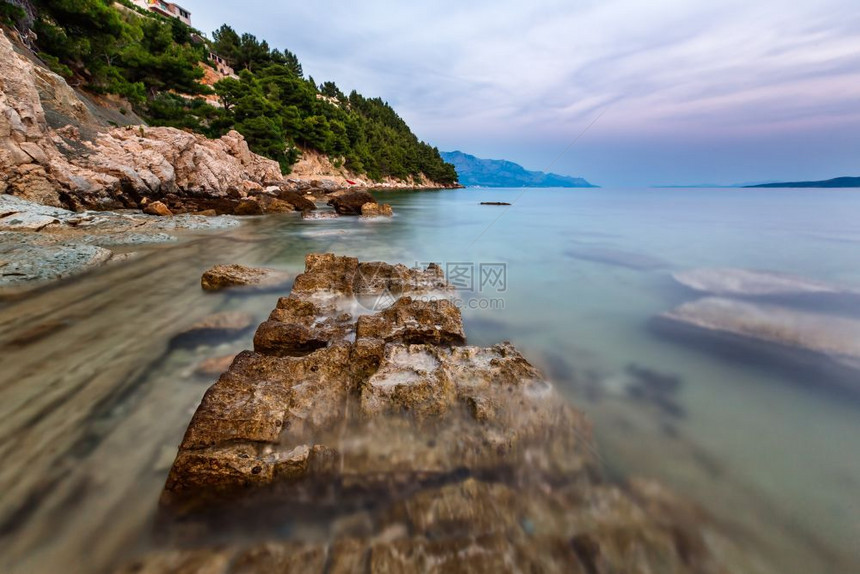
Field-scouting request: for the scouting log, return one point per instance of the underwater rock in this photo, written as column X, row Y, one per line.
column 752, row 283
column 217, row 327
column 616, row 257
column 837, row 337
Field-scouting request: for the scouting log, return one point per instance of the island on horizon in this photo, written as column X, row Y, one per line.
column 837, row 182
column 474, row 171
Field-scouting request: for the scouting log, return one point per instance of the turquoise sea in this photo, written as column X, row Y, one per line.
column 573, row 277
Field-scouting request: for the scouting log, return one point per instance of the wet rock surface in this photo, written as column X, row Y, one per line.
column 229, row 276
column 40, row 243
column 407, row 449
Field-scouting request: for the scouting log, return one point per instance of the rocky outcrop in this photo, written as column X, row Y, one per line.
column 226, row 276
column 414, row 451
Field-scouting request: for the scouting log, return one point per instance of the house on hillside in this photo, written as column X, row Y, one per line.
column 221, row 65
column 168, row 9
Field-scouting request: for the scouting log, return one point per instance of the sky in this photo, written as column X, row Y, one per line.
column 621, row 92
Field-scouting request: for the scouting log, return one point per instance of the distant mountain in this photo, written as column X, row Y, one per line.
column 836, row 182
column 500, row 173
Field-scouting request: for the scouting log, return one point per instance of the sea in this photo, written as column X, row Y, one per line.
column 95, row 391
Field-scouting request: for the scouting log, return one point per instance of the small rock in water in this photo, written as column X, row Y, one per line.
column 225, row 276
column 157, row 208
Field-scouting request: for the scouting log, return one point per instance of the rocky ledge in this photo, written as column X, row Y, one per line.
column 363, row 434
column 39, row 244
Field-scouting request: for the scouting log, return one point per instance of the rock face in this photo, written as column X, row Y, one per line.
column 425, row 454
column 226, row 276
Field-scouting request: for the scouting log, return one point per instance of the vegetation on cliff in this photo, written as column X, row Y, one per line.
column 158, row 63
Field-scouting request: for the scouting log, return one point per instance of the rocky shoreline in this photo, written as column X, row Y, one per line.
column 363, row 434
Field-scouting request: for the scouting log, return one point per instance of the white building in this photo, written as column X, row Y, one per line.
column 168, row 9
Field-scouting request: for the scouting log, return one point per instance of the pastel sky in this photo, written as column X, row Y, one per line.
column 674, row 91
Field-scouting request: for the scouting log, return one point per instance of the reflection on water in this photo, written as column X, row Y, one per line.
column 95, row 399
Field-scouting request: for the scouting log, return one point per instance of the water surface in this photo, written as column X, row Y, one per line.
column 95, row 399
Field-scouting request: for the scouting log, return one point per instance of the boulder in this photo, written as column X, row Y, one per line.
column 274, row 205
column 351, row 202
column 299, row 201
column 157, row 208
column 248, row 207
column 227, row 276
column 372, row 209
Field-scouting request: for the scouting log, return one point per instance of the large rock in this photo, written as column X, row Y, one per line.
column 351, row 202
column 407, row 450
column 226, row 276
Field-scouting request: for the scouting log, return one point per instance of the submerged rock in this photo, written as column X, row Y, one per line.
column 427, row 454
column 753, row 283
column 616, row 257
column 226, row 276
column 838, row 337
column 226, row 325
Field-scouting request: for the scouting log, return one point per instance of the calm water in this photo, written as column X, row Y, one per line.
column 94, row 400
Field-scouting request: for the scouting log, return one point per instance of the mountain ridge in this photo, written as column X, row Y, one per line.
column 475, row 171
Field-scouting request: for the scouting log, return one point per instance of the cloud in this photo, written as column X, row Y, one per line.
column 508, row 77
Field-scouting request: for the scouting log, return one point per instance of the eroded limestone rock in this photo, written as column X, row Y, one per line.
column 427, row 455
